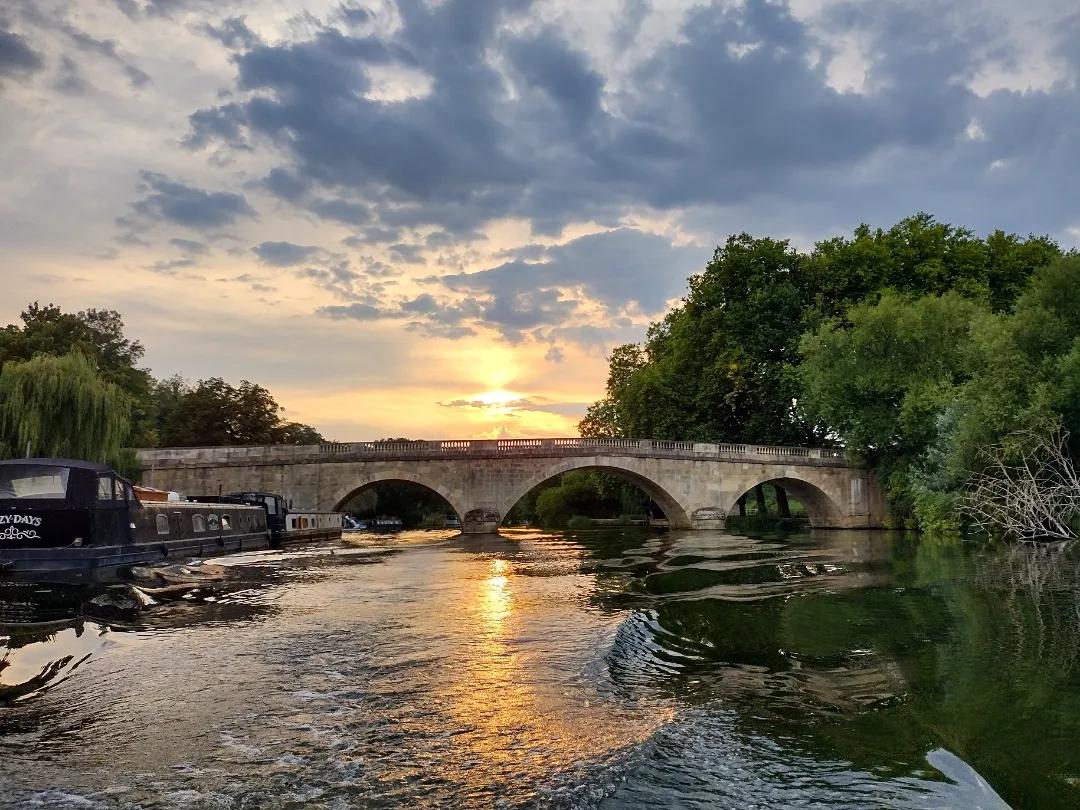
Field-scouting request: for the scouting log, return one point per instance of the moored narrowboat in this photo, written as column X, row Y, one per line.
column 64, row 519
column 286, row 525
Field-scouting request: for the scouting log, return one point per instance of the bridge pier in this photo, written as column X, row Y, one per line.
column 480, row 521
column 709, row 517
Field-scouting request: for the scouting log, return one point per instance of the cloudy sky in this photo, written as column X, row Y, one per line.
column 433, row 217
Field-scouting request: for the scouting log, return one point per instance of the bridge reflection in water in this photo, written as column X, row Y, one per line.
column 697, row 485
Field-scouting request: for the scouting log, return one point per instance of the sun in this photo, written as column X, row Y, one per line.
column 498, row 397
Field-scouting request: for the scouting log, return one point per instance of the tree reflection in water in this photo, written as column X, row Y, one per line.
column 871, row 649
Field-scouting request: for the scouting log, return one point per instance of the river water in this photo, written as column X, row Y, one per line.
column 583, row 669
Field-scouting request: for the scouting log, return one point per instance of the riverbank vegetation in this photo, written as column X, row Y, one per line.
column 72, row 384
column 918, row 348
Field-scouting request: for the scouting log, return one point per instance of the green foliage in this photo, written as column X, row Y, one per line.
column 915, row 346
column 723, row 365
column 586, row 494
column 434, row 520
column 98, row 334
column 576, row 493
column 61, row 406
column 157, row 412
column 921, row 386
column 214, row 413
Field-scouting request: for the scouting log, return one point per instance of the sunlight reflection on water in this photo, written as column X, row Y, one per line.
column 584, row 669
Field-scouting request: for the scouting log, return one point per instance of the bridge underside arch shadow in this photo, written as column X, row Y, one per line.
column 343, row 495
column 822, row 508
column 677, row 514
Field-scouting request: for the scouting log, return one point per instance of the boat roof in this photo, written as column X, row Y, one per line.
column 57, row 462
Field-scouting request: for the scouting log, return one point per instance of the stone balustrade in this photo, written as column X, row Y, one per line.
column 543, row 448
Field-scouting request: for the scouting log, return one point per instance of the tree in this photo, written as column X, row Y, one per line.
column 61, row 407
column 99, row 335
column 214, row 413
column 723, row 365
column 923, row 387
column 297, row 433
column 602, row 419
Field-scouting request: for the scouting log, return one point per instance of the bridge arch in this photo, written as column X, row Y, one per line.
column 823, row 509
column 677, row 514
column 344, row 494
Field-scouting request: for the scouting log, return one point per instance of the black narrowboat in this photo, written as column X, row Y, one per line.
column 285, row 525
column 63, row 519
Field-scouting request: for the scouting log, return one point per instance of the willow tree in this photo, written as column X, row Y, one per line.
column 61, row 407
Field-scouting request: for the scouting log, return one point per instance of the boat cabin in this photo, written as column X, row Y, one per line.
column 50, row 503
column 66, row 503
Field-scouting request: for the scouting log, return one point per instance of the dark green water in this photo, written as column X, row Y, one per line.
column 592, row 669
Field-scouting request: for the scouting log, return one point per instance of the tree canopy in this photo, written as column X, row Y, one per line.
column 914, row 346
column 84, row 362
column 61, row 407
column 214, row 413
column 98, row 334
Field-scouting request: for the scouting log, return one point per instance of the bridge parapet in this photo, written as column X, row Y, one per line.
column 488, row 448
column 545, row 448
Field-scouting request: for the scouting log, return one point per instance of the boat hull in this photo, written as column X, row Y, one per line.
column 102, row 563
column 292, row 538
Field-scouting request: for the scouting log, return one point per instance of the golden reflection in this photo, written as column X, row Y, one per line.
column 514, row 698
column 497, row 596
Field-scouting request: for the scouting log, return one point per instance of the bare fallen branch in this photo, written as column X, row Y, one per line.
column 1027, row 490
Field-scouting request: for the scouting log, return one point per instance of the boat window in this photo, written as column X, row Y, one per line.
column 33, row 481
column 226, row 522
column 198, row 523
column 118, row 489
column 105, row 488
column 162, row 524
column 212, row 522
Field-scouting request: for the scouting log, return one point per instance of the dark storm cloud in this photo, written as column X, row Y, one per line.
column 616, row 268
column 739, row 107
column 735, row 114
column 165, row 200
column 107, row 49
column 69, row 78
column 232, row 32
column 283, row 254
column 555, row 355
column 358, row 312
column 337, row 276
column 353, row 14
column 521, row 299
column 189, row 247
column 16, row 56
column 349, row 213
column 374, row 235
column 407, row 253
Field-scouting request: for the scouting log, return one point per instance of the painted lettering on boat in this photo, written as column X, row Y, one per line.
column 24, row 520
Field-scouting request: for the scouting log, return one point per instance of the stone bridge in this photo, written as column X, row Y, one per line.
column 696, row 485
